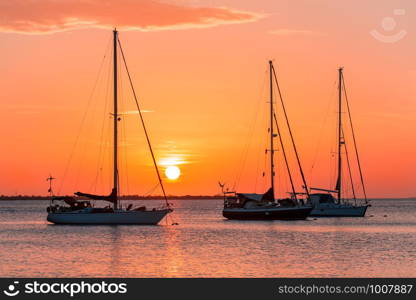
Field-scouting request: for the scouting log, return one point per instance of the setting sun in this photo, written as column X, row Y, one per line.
column 172, row 172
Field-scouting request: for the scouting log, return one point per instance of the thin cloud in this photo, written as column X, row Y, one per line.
column 49, row 16
column 286, row 32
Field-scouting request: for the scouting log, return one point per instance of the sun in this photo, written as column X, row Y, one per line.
column 172, row 172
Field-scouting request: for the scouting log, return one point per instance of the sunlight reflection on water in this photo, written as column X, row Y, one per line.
column 207, row 245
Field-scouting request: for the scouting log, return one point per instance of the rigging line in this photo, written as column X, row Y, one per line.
column 123, row 133
column 242, row 166
column 104, row 128
column 151, row 190
column 332, row 161
column 260, row 148
column 119, row 116
column 84, row 148
column 249, row 140
column 259, row 155
column 349, row 166
column 83, row 119
column 144, row 126
column 247, row 146
column 121, row 142
column 335, row 143
column 264, row 164
column 323, row 124
column 284, row 155
column 355, row 142
column 305, row 186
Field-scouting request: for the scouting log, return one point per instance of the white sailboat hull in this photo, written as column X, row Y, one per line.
column 338, row 210
column 148, row 217
column 270, row 213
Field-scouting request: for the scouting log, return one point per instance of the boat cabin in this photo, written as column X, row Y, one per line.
column 247, row 200
column 240, row 200
column 320, row 198
column 73, row 203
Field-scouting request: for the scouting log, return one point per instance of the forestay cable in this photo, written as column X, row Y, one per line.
column 144, row 126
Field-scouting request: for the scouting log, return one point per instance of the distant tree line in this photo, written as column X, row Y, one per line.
column 123, row 197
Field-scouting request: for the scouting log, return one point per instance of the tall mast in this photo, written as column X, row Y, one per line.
column 271, row 129
column 340, row 141
column 115, row 114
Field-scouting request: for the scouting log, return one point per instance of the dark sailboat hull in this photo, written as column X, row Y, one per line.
column 275, row 213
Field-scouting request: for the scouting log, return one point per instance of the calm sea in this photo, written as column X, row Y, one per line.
column 204, row 244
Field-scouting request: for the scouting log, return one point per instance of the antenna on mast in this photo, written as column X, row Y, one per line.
column 50, row 191
column 50, row 178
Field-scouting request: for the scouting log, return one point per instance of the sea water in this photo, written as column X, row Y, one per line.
column 204, row 244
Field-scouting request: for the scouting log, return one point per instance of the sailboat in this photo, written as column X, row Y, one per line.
column 77, row 211
column 252, row 206
column 324, row 203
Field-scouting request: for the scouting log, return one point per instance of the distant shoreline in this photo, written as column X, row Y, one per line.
column 158, row 197
column 125, row 197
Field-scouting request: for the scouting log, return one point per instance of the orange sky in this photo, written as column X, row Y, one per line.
column 199, row 69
